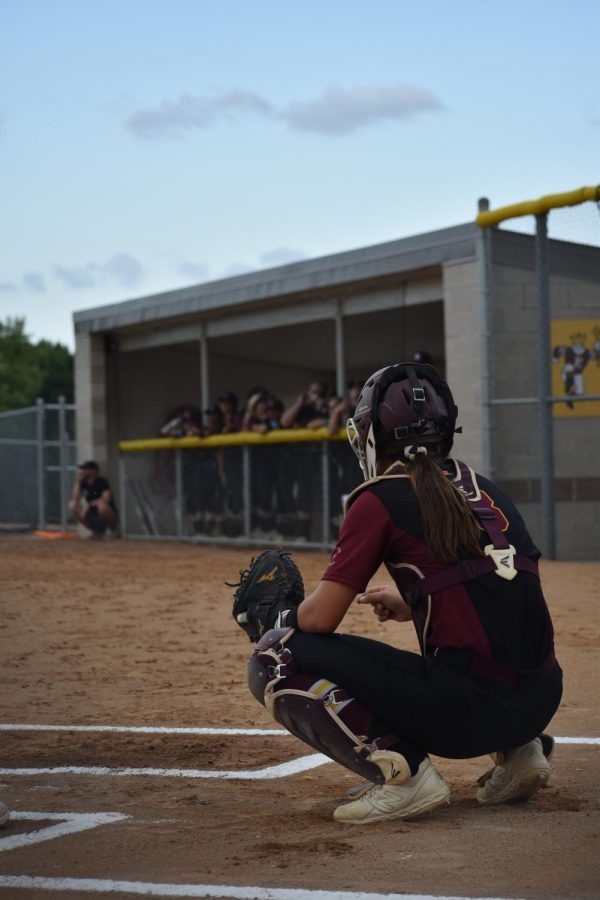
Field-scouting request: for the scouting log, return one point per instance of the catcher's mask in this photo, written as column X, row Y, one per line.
column 400, row 405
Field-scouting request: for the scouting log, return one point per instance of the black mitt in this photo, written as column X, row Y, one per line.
column 271, row 585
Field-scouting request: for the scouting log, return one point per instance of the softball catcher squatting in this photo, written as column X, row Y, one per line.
column 465, row 572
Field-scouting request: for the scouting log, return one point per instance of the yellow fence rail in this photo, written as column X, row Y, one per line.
column 239, row 439
column 538, row 207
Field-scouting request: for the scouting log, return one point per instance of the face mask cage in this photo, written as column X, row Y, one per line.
column 367, row 459
column 354, row 440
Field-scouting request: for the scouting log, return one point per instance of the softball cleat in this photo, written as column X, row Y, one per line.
column 420, row 794
column 519, row 776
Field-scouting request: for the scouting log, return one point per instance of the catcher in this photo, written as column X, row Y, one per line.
column 465, row 572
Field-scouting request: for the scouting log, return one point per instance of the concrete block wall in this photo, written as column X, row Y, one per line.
column 90, row 395
column 517, row 450
column 463, row 356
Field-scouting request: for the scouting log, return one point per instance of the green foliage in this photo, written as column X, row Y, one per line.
column 29, row 370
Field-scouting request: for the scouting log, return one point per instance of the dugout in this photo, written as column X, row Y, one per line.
column 466, row 296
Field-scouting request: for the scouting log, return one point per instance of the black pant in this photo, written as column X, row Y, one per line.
column 431, row 705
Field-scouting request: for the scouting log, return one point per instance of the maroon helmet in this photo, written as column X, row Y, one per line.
column 401, row 405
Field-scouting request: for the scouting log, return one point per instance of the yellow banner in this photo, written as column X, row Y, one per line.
column 576, row 366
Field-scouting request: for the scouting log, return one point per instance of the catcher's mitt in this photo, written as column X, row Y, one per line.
column 271, row 585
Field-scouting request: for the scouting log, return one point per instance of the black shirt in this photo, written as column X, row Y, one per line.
column 93, row 491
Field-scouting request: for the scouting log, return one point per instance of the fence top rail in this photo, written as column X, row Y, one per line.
column 17, row 412
column 69, row 407
column 240, row 439
column 537, row 207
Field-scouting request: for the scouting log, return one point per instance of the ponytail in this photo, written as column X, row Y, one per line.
column 451, row 528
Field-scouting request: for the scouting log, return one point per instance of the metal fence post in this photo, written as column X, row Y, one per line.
column 246, row 492
column 39, row 426
column 63, row 455
column 340, row 351
column 178, row 494
column 483, row 255
column 542, row 280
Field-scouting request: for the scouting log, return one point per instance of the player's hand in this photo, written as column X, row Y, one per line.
column 387, row 603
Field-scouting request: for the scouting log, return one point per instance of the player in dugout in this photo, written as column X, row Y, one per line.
column 465, row 572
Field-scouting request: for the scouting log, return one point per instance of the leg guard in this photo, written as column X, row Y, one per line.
column 321, row 713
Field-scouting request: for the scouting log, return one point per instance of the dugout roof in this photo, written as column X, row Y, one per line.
column 322, row 277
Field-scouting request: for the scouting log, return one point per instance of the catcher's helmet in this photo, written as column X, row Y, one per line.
column 400, row 405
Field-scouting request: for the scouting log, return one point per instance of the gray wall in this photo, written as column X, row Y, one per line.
column 463, row 362
column 517, row 446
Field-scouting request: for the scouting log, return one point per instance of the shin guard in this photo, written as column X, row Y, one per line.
column 321, row 713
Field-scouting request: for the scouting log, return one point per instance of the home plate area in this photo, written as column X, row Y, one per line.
column 252, row 819
column 136, row 762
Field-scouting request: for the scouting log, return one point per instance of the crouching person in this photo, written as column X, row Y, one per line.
column 92, row 503
column 465, row 573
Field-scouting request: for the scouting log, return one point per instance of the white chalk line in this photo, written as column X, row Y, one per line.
column 152, row 729
column 149, row 889
column 146, row 729
column 282, row 770
column 68, row 823
column 291, row 767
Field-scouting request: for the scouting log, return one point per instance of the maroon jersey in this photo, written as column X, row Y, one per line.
column 500, row 620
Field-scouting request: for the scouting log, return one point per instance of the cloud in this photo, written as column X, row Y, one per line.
column 6, row 286
column 121, row 269
column 279, row 256
column 33, row 281
column 341, row 111
column 194, row 271
column 76, row 276
column 337, row 112
column 174, row 117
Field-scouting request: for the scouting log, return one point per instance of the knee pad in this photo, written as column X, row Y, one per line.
column 321, row 713
column 269, row 662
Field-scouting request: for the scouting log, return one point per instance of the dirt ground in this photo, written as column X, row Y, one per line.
column 136, row 633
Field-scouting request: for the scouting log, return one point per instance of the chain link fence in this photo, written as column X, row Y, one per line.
column 37, row 462
column 288, row 493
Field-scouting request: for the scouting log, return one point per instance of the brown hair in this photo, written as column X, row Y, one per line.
column 451, row 527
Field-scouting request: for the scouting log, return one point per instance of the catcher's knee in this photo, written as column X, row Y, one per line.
column 321, row 713
column 267, row 665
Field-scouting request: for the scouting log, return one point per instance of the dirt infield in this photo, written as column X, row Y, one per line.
column 128, row 634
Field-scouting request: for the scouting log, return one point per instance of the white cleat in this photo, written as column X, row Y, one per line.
column 419, row 794
column 522, row 773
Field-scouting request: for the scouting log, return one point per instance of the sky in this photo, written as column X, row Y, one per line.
column 147, row 145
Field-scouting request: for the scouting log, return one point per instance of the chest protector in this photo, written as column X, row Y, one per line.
column 499, row 557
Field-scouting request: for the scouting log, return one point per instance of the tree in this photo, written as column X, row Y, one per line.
column 29, row 371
